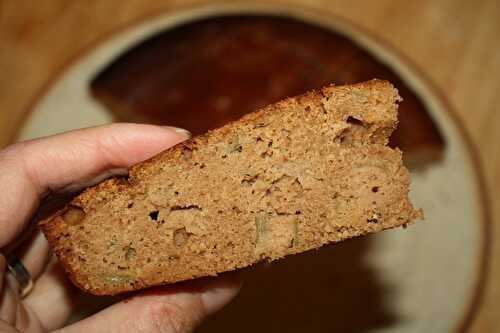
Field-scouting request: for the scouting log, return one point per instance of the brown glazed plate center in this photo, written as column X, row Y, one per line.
column 204, row 74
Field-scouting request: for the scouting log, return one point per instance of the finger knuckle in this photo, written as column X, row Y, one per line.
column 10, row 152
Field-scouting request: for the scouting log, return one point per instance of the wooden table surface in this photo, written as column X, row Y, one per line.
column 455, row 42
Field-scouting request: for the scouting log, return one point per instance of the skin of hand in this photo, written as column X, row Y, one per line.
column 31, row 170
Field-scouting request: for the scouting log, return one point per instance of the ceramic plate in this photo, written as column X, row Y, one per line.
column 422, row 279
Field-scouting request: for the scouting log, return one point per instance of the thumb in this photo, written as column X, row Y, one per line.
column 173, row 309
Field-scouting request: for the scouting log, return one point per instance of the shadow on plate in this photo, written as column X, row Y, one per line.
column 332, row 290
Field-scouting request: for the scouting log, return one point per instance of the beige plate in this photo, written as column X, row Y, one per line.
column 430, row 274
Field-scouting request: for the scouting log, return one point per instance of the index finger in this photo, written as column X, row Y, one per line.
column 29, row 170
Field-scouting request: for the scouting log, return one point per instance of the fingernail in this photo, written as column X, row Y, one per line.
column 216, row 297
column 185, row 133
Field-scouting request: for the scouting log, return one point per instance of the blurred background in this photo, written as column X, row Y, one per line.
column 242, row 61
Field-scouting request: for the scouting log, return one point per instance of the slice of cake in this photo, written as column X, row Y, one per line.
column 291, row 177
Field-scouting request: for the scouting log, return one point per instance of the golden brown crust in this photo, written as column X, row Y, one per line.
column 388, row 121
column 111, row 185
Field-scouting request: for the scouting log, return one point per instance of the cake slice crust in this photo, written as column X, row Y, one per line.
column 291, row 177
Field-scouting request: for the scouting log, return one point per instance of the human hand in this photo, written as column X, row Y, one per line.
column 31, row 170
